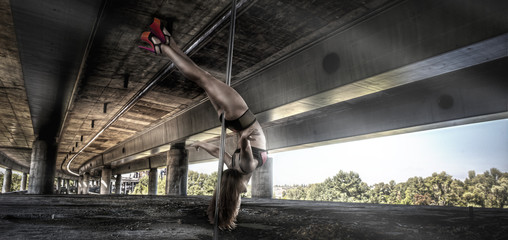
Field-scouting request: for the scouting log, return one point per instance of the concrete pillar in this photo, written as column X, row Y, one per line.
column 118, row 184
column 106, row 180
column 68, row 185
column 58, row 185
column 23, row 182
column 6, row 187
column 177, row 168
column 152, row 182
column 42, row 167
column 80, row 184
column 86, row 183
column 262, row 180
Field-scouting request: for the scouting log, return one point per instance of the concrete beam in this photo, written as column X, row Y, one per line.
column 468, row 96
column 7, row 162
column 410, row 42
column 139, row 164
column 63, row 175
column 471, row 95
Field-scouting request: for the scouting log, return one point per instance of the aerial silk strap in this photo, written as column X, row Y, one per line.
column 223, row 131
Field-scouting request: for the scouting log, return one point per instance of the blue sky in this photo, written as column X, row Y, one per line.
column 456, row 150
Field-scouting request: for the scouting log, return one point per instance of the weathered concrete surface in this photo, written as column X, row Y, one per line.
column 106, row 181
column 262, row 180
column 42, row 167
column 6, row 186
column 177, row 169
column 175, row 217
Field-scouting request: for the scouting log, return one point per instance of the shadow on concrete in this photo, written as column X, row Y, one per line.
column 173, row 217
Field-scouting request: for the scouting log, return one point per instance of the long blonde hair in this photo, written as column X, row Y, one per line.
column 229, row 200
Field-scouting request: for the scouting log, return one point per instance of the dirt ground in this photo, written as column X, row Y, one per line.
column 172, row 217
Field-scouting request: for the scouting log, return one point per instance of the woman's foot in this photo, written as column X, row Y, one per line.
column 155, row 43
column 160, row 31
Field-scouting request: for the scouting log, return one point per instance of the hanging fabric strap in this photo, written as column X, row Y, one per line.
column 223, row 120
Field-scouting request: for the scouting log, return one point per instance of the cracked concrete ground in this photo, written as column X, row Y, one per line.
column 173, row 217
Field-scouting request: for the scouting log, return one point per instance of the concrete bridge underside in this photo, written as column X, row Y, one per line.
column 390, row 74
column 412, row 66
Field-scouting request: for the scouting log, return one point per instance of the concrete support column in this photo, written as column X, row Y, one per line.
column 177, row 168
column 58, row 185
column 42, row 167
column 6, row 187
column 262, row 180
column 106, row 180
column 118, row 184
column 152, row 182
column 80, row 184
column 67, row 185
column 23, row 182
column 86, row 183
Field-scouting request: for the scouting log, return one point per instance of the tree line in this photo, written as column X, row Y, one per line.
column 489, row 189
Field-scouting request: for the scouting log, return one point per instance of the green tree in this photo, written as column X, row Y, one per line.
column 380, row 192
column 201, row 183
column 440, row 190
column 16, row 182
column 500, row 193
column 315, row 192
column 345, row 187
column 483, row 190
column 142, row 187
column 297, row 192
column 476, row 189
column 456, row 193
column 399, row 193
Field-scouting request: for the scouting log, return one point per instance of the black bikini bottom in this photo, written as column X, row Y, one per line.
column 259, row 154
column 241, row 123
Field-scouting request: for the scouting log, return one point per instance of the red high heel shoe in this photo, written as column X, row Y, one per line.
column 157, row 29
column 147, row 37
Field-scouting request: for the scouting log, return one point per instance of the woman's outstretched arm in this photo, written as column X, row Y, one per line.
column 212, row 150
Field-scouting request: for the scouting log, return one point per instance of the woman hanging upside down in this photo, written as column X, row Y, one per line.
column 250, row 153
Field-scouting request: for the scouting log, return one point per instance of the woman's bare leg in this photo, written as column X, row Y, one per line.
column 222, row 96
